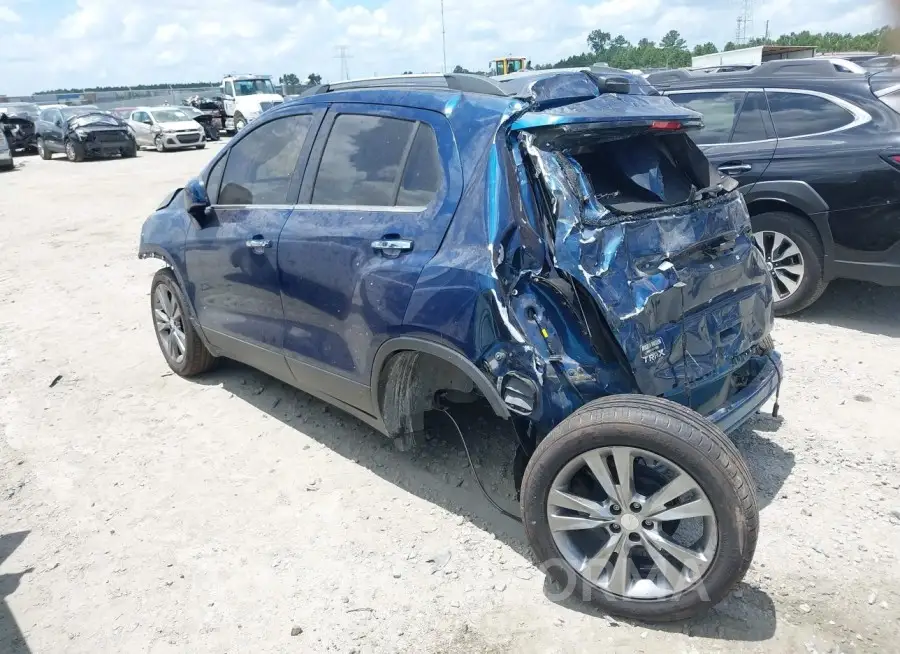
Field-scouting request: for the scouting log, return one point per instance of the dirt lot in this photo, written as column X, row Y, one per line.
column 144, row 513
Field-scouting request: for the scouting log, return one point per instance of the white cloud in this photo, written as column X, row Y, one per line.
column 116, row 42
column 7, row 15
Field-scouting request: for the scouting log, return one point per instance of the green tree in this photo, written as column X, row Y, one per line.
column 314, row 79
column 673, row 40
column 704, row 49
column 289, row 79
column 598, row 40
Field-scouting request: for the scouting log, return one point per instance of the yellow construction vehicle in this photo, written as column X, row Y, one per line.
column 506, row 65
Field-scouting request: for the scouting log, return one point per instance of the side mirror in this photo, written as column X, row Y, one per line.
column 147, row 121
column 58, row 123
column 196, row 199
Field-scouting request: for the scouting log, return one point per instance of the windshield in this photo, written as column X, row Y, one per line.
column 169, row 115
column 23, row 109
column 253, row 86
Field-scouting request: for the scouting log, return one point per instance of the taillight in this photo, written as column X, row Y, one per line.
column 665, row 124
column 893, row 159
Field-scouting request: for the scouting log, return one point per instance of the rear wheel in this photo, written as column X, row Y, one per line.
column 642, row 507
column 793, row 253
column 74, row 151
column 179, row 342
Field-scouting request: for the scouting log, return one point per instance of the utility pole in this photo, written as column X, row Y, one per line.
column 343, row 56
column 767, row 32
column 443, row 37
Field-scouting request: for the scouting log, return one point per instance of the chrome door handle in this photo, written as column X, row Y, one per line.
column 737, row 168
column 259, row 244
column 392, row 247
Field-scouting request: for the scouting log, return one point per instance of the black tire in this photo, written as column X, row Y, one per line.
column 74, row 151
column 43, row 150
column 129, row 152
column 683, row 437
column 201, row 146
column 239, row 123
column 197, row 359
column 804, row 234
column 767, row 344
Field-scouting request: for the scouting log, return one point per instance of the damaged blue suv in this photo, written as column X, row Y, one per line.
column 553, row 244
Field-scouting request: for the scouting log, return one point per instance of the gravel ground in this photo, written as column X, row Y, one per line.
column 144, row 513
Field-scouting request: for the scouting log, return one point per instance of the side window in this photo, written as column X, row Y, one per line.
column 719, row 111
column 214, row 181
column 798, row 114
column 751, row 124
column 261, row 164
column 361, row 164
column 423, row 174
column 229, row 88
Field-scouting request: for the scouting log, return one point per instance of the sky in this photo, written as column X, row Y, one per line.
column 75, row 43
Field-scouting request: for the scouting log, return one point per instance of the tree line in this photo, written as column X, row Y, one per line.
column 670, row 52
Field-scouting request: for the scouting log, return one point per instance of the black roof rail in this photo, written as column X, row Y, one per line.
column 465, row 83
column 817, row 67
column 670, row 76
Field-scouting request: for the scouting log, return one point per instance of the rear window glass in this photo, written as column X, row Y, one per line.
column 751, row 124
column 892, row 100
column 800, row 114
column 422, row 176
column 362, row 161
column 719, row 111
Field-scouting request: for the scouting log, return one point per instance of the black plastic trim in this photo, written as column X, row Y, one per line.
column 442, row 351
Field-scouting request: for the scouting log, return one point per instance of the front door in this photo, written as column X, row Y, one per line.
column 374, row 207
column 231, row 258
column 737, row 137
column 140, row 124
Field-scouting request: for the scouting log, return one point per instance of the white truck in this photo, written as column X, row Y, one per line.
column 244, row 97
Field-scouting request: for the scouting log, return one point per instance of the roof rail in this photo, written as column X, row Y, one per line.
column 465, row 83
column 669, row 76
column 817, row 67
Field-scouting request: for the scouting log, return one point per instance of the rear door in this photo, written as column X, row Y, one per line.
column 379, row 193
column 231, row 258
column 737, row 137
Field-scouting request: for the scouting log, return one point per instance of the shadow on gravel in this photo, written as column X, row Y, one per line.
column 438, row 472
column 747, row 614
column 856, row 305
column 12, row 641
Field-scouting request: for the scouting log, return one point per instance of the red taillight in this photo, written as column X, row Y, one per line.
column 665, row 124
column 895, row 158
column 892, row 159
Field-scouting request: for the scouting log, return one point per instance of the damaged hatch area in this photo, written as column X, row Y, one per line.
column 656, row 235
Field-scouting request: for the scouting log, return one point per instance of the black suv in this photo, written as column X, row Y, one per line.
column 817, row 153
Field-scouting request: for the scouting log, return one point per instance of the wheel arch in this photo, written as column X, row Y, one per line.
column 383, row 373
column 153, row 251
column 798, row 198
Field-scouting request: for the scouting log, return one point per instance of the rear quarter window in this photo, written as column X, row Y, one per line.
column 719, row 109
column 801, row 114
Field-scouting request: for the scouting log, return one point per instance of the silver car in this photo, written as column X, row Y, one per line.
column 166, row 128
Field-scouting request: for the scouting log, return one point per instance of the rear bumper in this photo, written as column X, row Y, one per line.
column 743, row 404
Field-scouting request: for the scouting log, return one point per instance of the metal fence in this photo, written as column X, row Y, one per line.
column 127, row 98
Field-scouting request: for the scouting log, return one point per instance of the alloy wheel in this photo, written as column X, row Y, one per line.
column 784, row 260
column 632, row 523
column 169, row 319
column 70, row 151
column 40, row 147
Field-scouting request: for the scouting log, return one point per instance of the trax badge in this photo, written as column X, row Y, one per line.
column 652, row 350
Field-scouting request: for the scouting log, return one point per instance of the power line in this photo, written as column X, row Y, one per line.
column 443, row 37
column 343, row 56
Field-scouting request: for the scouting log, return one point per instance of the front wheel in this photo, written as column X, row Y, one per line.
column 74, row 151
column 201, row 146
column 159, row 143
column 642, row 507
column 43, row 151
column 794, row 256
column 179, row 342
column 239, row 123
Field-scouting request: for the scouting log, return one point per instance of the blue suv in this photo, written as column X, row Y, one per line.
column 552, row 244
